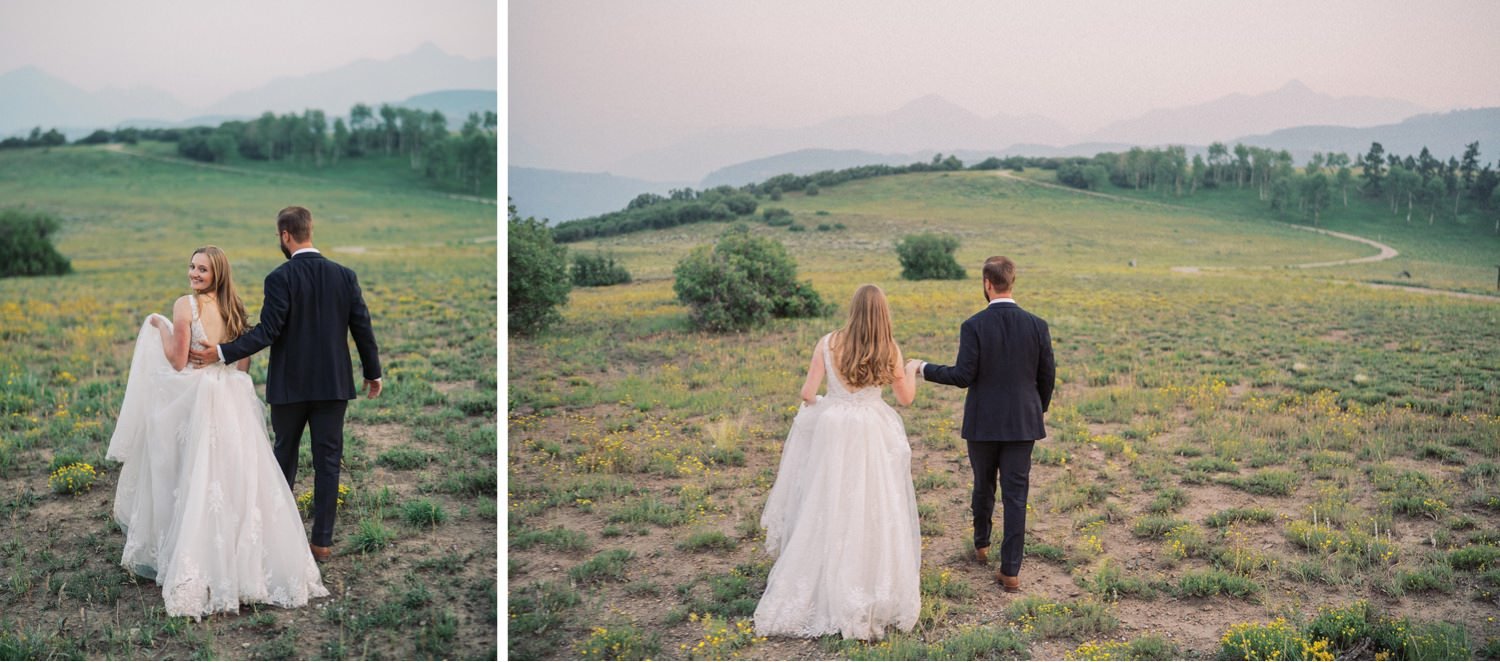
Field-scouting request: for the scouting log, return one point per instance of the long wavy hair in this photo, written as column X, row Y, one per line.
column 231, row 308
column 867, row 352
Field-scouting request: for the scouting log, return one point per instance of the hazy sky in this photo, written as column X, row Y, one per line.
column 201, row 50
column 665, row 66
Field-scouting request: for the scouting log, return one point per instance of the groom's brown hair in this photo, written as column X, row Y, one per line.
column 1000, row 271
column 296, row 221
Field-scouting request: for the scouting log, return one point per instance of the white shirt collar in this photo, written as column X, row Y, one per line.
column 309, row 249
column 1002, row 300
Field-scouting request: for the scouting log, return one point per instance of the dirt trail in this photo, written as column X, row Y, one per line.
column 120, row 149
column 1386, row 252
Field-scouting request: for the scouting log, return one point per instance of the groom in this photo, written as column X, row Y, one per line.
column 1005, row 361
column 312, row 306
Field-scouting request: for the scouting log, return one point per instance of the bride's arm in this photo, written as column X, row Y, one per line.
column 814, row 376
column 905, row 385
column 243, row 364
column 175, row 343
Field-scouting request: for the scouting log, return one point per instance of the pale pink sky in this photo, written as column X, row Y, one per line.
column 669, row 66
column 198, row 51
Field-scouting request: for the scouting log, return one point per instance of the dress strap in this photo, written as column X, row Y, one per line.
column 193, row 299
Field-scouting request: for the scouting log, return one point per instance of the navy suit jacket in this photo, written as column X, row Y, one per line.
column 311, row 308
column 1005, row 360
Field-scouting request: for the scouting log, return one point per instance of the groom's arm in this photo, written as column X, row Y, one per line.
column 273, row 314
column 364, row 333
column 964, row 367
column 1046, row 370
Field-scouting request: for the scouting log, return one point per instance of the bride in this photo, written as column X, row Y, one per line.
column 841, row 519
column 206, row 511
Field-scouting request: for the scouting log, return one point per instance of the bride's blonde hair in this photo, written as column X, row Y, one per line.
column 867, row 352
column 231, row 309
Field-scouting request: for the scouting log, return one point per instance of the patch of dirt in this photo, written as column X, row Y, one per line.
column 446, row 388
column 1336, row 335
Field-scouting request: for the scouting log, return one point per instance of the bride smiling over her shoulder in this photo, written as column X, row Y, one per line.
column 206, row 512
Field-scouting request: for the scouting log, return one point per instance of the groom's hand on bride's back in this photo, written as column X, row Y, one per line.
column 202, row 357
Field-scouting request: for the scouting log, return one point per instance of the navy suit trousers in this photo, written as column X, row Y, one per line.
column 1012, row 461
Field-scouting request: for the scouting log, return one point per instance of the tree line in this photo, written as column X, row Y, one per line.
column 466, row 159
column 1420, row 182
column 1410, row 184
column 650, row 211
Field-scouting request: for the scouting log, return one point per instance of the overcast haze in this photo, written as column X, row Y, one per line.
column 198, row 52
column 628, row 76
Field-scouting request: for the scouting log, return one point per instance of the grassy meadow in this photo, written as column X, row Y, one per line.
column 1238, row 456
column 414, row 572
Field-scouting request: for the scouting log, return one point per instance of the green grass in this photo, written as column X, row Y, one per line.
column 557, row 539
column 1229, row 516
column 423, row 512
column 1173, row 386
column 702, row 541
column 608, row 564
column 1208, row 583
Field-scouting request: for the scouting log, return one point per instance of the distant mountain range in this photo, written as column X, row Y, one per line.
column 1229, row 117
column 30, row 97
column 927, row 123
column 563, row 196
column 933, row 124
column 1444, row 134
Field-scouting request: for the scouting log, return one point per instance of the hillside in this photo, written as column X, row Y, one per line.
column 1219, row 414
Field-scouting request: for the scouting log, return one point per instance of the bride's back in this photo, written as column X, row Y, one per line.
column 211, row 321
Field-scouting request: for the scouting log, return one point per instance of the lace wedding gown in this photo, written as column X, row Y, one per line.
column 841, row 521
column 206, row 511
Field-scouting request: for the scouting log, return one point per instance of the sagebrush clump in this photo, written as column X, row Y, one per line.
column 743, row 281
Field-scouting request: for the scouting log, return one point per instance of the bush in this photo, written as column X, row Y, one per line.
column 928, row 257
column 25, row 249
column 537, row 272
column 598, row 270
column 743, row 281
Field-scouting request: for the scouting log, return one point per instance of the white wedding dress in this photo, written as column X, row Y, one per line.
column 841, row 521
column 206, row 511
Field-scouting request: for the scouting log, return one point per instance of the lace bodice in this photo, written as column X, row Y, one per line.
column 836, row 388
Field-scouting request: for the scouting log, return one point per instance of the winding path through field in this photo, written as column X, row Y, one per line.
column 1386, row 252
column 120, row 149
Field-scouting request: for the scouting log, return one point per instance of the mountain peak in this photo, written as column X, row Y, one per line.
column 429, row 49
column 1295, row 86
column 930, row 102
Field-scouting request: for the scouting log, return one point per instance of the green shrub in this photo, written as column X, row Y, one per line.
column 741, row 282
column 928, row 257
column 537, row 275
column 25, row 246
column 598, row 270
